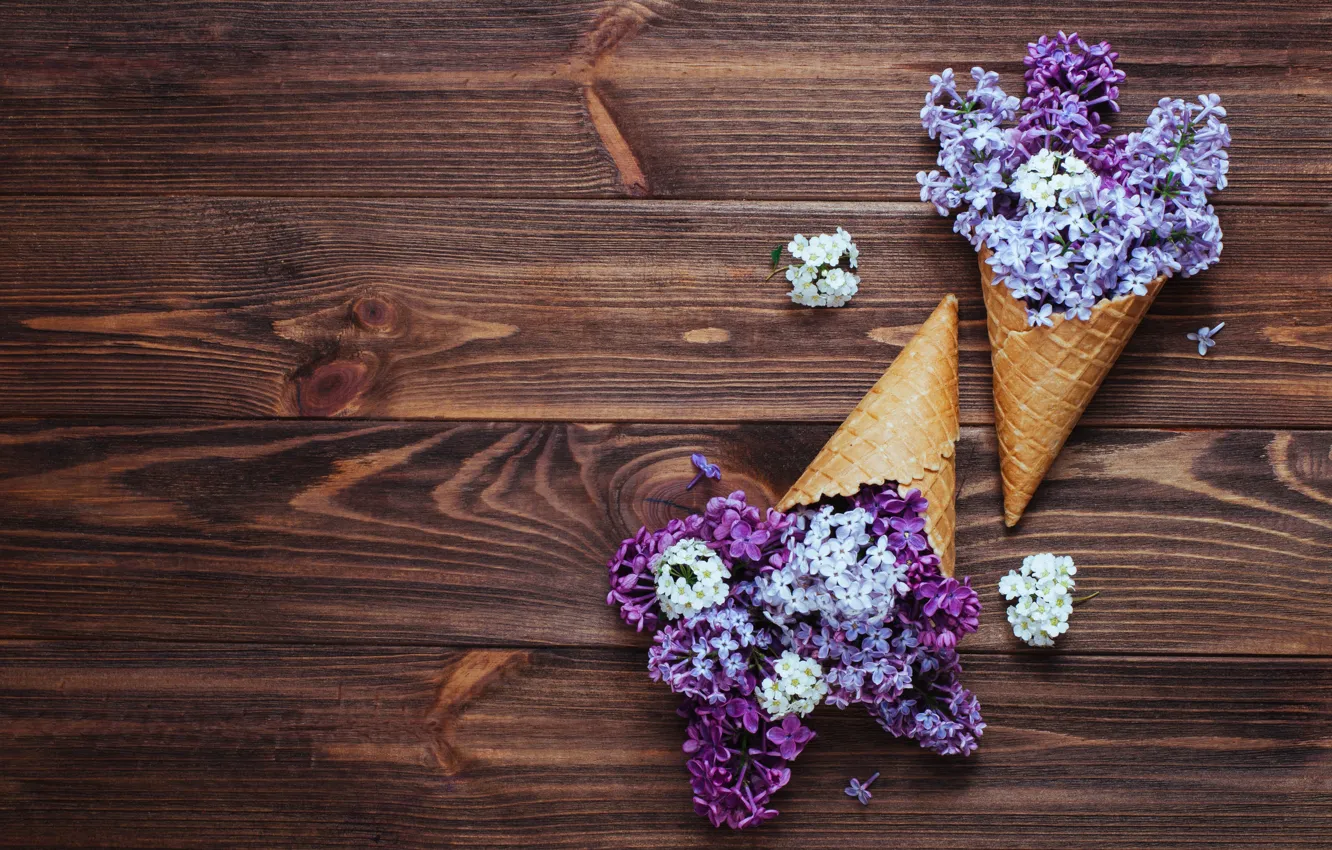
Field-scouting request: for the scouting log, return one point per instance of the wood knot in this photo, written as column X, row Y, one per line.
column 464, row 681
column 375, row 314
column 331, row 387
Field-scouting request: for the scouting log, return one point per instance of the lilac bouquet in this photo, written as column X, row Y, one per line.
column 759, row 616
column 1071, row 214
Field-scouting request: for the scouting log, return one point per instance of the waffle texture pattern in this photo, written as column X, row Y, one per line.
column 1044, row 378
column 904, row 431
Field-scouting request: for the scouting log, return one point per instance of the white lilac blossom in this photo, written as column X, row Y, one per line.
column 1071, row 215
column 839, row 568
column 796, row 686
column 822, row 276
column 1204, row 337
column 1043, row 593
column 1055, row 180
column 690, row 579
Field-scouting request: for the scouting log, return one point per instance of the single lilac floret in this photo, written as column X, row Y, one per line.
column 1203, row 337
column 705, row 470
column 860, row 790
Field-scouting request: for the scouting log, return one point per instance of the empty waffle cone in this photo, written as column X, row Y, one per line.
column 1044, row 378
column 904, row 430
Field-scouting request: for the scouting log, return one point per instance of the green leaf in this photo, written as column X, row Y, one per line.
column 776, row 256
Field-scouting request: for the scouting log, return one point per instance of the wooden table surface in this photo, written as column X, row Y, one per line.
column 341, row 342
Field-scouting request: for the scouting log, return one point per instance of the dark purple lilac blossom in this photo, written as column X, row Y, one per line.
column 1073, row 215
column 944, row 609
column 1072, row 90
column 733, row 770
column 907, row 533
column 790, row 737
column 633, row 587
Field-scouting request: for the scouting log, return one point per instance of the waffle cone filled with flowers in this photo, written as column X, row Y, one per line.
column 838, row 597
column 1044, row 377
column 903, row 432
column 1077, row 230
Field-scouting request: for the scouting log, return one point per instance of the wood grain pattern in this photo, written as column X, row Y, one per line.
column 582, row 311
column 259, row 746
column 481, row 534
column 231, row 615
column 593, row 99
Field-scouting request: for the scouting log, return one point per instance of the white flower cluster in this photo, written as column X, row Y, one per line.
column 840, row 570
column 1042, row 590
column 1051, row 179
column 690, row 578
column 797, row 686
column 820, row 281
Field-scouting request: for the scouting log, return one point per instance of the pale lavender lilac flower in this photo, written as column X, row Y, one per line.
column 936, row 711
column 1204, row 337
column 709, row 656
column 877, row 661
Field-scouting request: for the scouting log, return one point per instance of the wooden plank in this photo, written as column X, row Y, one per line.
column 849, row 127
column 481, row 534
column 585, row 99
column 150, row 745
column 581, row 311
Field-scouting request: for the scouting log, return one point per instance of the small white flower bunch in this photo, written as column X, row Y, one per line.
column 1043, row 592
column 797, row 685
column 1051, row 179
column 690, row 578
column 820, row 280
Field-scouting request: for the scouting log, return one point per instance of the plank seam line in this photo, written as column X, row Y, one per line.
column 747, row 201
column 111, row 420
column 7, row 641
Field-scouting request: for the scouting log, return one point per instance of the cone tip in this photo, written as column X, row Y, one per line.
column 1015, row 503
column 947, row 308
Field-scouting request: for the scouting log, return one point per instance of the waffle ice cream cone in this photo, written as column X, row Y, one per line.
column 904, row 430
column 1044, row 378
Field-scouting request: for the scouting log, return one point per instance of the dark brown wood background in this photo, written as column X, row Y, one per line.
column 340, row 342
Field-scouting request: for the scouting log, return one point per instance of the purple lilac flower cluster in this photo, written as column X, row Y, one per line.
column 744, row 539
column 889, row 646
column 1071, row 214
column 935, row 710
column 739, row 759
column 907, row 657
